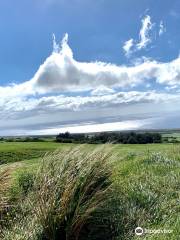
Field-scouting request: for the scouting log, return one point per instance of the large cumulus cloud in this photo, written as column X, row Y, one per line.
column 62, row 73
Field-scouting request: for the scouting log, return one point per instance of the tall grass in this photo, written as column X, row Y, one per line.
column 4, row 204
column 3, row 181
column 71, row 189
column 4, row 177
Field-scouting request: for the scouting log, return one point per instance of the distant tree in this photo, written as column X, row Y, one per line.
column 157, row 138
column 67, row 135
column 105, row 137
column 132, row 140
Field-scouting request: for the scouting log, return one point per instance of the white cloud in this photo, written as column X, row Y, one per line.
column 145, row 36
column 101, row 91
column 61, row 72
column 91, row 128
column 144, row 32
column 127, row 47
column 162, row 28
column 131, row 45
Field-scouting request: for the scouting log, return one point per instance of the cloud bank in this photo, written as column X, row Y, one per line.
column 64, row 89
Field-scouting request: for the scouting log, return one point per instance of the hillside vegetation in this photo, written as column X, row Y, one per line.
column 89, row 192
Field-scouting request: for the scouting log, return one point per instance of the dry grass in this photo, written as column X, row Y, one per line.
column 4, row 203
column 4, row 184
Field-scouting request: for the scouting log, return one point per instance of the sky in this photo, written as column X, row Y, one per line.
column 89, row 65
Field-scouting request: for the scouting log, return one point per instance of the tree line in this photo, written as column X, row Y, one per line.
column 110, row 137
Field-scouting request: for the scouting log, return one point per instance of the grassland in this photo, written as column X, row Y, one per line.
column 147, row 179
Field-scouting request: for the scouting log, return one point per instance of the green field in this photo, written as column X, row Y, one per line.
column 147, row 177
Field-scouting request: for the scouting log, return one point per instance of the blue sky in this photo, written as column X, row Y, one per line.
column 89, row 94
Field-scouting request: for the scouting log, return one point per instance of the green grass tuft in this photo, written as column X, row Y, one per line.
column 70, row 191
